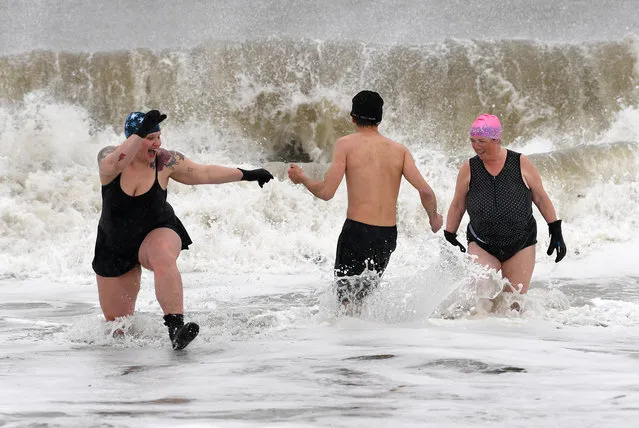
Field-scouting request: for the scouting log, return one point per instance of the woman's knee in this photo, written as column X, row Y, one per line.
column 160, row 259
column 117, row 296
column 158, row 255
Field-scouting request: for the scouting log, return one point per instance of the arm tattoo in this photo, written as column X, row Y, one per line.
column 105, row 152
column 122, row 156
column 169, row 159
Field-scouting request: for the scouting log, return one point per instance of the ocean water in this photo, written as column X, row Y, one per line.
column 265, row 83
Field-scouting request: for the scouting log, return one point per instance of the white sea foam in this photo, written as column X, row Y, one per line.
column 50, row 203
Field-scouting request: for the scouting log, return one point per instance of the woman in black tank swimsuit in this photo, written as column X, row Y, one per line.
column 498, row 187
column 138, row 226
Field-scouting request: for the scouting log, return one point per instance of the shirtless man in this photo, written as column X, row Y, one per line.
column 138, row 228
column 374, row 166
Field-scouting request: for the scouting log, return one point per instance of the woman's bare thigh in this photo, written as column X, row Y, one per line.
column 519, row 268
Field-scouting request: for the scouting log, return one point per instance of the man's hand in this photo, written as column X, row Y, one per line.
column 436, row 222
column 296, row 174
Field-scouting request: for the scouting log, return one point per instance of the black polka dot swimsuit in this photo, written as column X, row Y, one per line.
column 500, row 209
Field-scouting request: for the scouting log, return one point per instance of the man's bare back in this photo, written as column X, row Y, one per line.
column 374, row 167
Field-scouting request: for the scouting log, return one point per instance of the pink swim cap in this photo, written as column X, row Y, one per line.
column 486, row 126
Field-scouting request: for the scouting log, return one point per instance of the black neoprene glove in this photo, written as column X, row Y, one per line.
column 556, row 240
column 260, row 175
column 452, row 238
column 150, row 121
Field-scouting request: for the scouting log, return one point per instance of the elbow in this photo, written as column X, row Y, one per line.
column 540, row 201
column 457, row 208
column 427, row 194
column 325, row 196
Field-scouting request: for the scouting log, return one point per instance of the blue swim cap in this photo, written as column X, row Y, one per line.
column 133, row 121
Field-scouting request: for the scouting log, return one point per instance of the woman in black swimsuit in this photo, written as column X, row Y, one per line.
column 138, row 226
column 497, row 188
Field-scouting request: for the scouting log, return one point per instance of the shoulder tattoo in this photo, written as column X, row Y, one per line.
column 169, row 159
column 105, row 152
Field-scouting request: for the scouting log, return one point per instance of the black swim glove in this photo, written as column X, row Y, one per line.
column 150, row 123
column 556, row 240
column 452, row 238
column 260, row 175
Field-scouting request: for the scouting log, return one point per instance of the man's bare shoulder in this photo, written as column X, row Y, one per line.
column 359, row 138
column 392, row 143
column 347, row 139
column 398, row 149
column 398, row 146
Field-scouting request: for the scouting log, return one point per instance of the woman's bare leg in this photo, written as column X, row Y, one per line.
column 519, row 268
column 159, row 252
column 118, row 294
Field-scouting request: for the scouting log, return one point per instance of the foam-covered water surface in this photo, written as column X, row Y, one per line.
column 272, row 351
